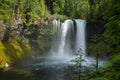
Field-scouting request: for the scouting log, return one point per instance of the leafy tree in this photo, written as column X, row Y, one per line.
column 76, row 9
column 98, row 48
column 55, row 6
column 76, row 70
column 112, row 70
column 110, row 17
column 112, row 25
column 5, row 10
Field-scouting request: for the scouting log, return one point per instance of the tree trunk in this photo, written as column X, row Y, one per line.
column 97, row 56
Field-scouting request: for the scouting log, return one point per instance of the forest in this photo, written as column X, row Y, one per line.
column 26, row 31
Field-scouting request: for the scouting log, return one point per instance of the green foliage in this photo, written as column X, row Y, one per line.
column 38, row 8
column 22, row 8
column 112, row 33
column 102, row 11
column 76, row 9
column 3, row 56
column 112, row 68
column 12, row 51
column 110, row 17
column 5, row 10
column 45, row 37
column 98, row 45
column 107, row 12
column 29, row 10
column 61, row 17
column 76, row 70
column 111, row 14
column 55, row 6
column 72, row 9
column 110, row 71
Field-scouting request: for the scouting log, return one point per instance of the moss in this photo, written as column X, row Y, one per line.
column 13, row 51
column 24, row 44
column 3, row 57
column 62, row 17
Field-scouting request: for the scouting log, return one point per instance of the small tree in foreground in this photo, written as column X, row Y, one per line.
column 75, row 70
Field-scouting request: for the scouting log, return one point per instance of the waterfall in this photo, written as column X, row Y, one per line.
column 80, row 36
column 68, row 37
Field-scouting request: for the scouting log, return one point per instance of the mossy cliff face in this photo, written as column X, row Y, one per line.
column 3, row 56
column 12, row 51
column 21, row 40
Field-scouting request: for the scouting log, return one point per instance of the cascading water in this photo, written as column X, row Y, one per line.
column 67, row 40
column 80, row 36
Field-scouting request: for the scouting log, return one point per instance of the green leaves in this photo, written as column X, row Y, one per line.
column 112, row 68
column 76, row 9
column 111, row 18
column 5, row 10
column 38, row 8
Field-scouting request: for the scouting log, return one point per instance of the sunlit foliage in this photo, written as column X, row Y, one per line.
column 11, row 51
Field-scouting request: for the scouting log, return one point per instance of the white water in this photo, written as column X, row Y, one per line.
column 64, row 47
column 62, row 41
column 80, row 36
column 67, row 40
